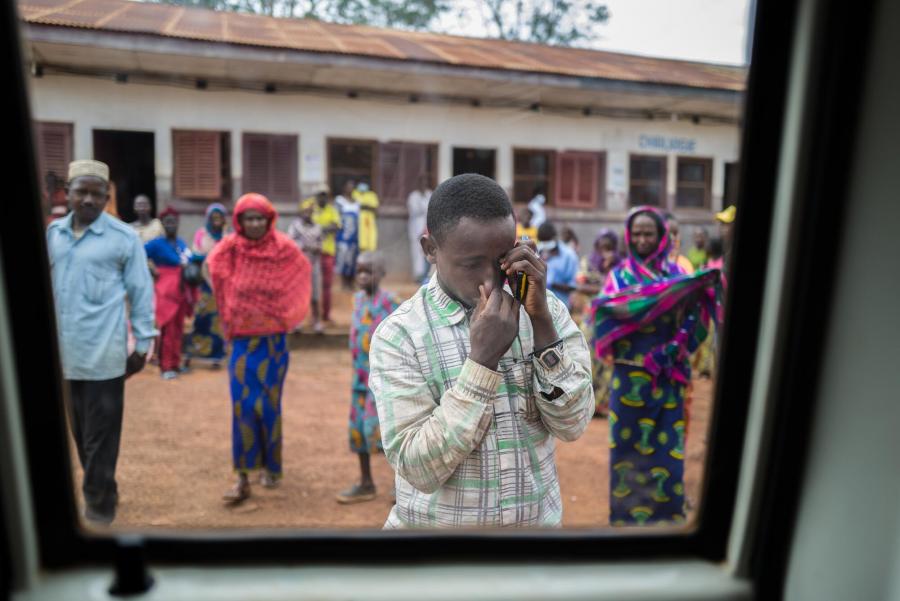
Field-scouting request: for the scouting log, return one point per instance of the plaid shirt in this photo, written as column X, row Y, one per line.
column 471, row 446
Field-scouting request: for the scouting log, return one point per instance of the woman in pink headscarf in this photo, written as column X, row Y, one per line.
column 262, row 286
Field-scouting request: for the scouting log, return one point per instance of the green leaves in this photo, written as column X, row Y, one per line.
column 554, row 22
column 408, row 14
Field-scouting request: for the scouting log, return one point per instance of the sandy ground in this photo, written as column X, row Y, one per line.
column 175, row 459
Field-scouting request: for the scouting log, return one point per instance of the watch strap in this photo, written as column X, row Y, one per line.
column 539, row 351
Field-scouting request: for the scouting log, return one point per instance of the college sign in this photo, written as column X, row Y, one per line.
column 665, row 144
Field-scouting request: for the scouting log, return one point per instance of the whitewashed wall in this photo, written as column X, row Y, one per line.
column 94, row 103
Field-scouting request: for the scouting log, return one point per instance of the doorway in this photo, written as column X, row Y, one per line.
column 475, row 160
column 131, row 159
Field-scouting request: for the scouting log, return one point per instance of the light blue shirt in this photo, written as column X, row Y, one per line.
column 91, row 277
column 562, row 269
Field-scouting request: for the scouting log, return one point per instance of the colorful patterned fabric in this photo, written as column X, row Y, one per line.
column 472, row 447
column 256, row 369
column 205, row 238
column 650, row 318
column 206, row 340
column 647, row 429
column 262, row 286
column 639, row 291
column 368, row 312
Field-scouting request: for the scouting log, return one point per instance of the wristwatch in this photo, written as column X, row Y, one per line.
column 549, row 356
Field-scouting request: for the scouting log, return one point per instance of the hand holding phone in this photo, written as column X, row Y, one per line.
column 518, row 281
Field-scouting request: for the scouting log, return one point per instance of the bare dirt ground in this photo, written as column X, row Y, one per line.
column 175, row 458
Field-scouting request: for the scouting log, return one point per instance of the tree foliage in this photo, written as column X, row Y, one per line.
column 404, row 14
column 558, row 22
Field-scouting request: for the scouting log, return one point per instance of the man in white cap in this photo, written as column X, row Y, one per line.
column 95, row 261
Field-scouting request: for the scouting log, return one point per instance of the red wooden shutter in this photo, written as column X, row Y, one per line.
column 197, row 157
column 54, row 142
column 283, row 168
column 255, row 155
column 390, row 174
column 270, row 166
column 399, row 166
column 576, row 179
column 415, row 163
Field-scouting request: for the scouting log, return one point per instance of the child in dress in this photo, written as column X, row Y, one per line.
column 371, row 306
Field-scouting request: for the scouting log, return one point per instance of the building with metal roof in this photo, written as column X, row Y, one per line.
column 191, row 105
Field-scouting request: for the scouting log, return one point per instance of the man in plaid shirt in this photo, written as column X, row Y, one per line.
column 471, row 386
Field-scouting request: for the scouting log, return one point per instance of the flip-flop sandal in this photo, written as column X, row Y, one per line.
column 269, row 481
column 356, row 494
column 237, row 494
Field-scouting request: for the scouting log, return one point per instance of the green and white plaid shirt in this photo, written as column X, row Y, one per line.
column 474, row 447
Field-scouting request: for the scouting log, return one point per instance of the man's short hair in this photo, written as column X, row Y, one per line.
column 467, row 195
column 547, row 232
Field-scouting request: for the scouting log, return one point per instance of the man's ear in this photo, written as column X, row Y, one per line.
column 429, row 247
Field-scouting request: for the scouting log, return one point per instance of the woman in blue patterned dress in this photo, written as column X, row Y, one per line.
column 262, row 285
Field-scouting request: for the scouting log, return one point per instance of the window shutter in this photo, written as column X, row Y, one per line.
column 694, row 184
column 198, row 163
column 283, row 168
column 54, row 141
column 390, row 174
column 647, row 185
column 576, row 179
column 270, row 166
column 255, row 155
column 414, row 163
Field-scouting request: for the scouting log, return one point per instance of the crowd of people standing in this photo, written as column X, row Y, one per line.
column 428, row 374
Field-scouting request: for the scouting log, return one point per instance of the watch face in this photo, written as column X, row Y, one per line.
column 550, row 358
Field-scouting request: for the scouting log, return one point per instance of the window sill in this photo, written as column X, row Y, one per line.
column 626, row 581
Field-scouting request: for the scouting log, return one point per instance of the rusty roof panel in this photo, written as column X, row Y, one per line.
column 316, row 36
column 138, row 18
column 411, row 48
column 200, row 24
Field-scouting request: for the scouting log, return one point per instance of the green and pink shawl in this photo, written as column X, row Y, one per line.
column 640, row 291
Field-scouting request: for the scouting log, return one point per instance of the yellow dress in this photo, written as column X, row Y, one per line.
column 531, row 232
column 368, row 226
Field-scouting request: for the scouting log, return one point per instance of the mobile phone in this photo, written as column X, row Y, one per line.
column 518, row 283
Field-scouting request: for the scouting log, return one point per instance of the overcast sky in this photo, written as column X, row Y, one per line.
column 703, row 30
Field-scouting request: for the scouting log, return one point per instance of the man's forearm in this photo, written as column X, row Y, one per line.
column 544, row 331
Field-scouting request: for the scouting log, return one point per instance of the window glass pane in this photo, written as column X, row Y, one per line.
column 645, row 195
column 691, row 172
column 267, row 367
column 691, row 197
column 646, row 169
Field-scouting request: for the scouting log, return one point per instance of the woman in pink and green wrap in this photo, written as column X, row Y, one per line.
column 650, row 318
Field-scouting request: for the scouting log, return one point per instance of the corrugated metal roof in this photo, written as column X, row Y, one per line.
column 316, row 36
